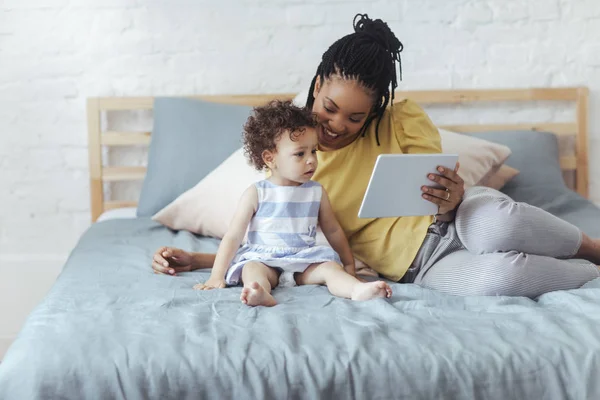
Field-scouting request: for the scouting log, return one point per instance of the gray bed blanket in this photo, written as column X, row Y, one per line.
column 111, row 329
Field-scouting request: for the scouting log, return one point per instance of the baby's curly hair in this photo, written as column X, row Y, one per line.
column 267, row 123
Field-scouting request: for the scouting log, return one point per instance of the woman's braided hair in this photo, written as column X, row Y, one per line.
column 368, row 55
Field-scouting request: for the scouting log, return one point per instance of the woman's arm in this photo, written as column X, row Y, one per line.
column 202, row 260
column 335, row 234
column 171, row 261
column 233, row 239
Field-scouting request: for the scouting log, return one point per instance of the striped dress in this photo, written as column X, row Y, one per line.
column 282, row 232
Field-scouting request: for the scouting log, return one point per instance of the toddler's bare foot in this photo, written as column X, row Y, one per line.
column 256, row 295
column 371, row 290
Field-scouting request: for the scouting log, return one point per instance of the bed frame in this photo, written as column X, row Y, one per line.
column 101, row 174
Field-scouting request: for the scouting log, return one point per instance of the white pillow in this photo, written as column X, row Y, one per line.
column 300, row 99
column 479, row 159
column 208, row 207
column 500, row 178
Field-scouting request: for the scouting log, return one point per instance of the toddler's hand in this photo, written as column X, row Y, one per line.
column 211, row 283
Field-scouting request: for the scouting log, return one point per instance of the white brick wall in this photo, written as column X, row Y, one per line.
column 55, row 53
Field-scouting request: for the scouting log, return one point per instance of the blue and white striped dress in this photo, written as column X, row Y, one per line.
column 283, row 230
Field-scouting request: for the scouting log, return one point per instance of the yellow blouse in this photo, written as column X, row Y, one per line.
column 388, row 245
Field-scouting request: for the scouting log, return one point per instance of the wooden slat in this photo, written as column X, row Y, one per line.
column 112, row 138
column 568, row 163
column 581, row 143
column 556, row 128
column 113, row 174
column 420, row 96
column 249, row 100
column 125, row 103
column 480, row 95
column 111, row 205
column 95, row 159
column 146, row 103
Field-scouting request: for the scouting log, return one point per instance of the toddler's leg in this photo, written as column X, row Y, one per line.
column 258, row 280
column 342, row 284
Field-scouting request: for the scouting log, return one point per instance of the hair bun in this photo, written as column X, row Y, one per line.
column 379, row 32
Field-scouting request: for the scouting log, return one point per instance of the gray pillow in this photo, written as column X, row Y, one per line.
column 189, row 139
column 534, row 154
column 540, row 181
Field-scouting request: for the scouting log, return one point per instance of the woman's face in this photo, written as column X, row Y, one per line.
column 342, row 107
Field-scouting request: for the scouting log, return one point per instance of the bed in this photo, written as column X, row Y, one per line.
column 110, row 329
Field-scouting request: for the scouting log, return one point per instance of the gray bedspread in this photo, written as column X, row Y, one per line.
column 110, row 329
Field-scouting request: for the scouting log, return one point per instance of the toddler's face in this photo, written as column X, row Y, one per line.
column 296, row 160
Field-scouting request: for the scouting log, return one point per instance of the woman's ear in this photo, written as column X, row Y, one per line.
column 268, row 157
column 317, row 88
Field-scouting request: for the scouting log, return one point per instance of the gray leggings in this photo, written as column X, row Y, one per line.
column 497, row 246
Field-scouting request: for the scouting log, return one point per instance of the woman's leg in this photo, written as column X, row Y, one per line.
column 258, row 280
column 342, row 284
column 505, row 274
column 589, row 249
column 489, row 221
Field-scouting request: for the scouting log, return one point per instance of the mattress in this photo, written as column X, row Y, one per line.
column 110, row 328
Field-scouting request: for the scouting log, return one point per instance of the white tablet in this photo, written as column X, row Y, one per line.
column 394, row 189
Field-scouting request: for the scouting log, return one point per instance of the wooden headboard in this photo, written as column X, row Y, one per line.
column 101, row 174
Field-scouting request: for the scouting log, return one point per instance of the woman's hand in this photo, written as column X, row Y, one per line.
column 170, row 261
column 451, row 196
column 350, row 268
column 211, row 283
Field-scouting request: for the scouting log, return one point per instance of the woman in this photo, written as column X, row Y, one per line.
column 480, row 243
